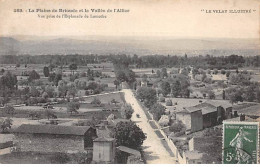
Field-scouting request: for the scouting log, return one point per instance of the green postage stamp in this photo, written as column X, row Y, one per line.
column 240, row 142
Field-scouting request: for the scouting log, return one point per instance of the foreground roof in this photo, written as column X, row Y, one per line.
column 129, row 150
column 52, row 129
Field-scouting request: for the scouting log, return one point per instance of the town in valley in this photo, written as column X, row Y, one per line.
column 121, row 108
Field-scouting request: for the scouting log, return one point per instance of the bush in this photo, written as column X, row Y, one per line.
column 169, row 102
column 96, row 102
column 177, row 127
column 41, row 100
column 86, row 92
column 162, row 99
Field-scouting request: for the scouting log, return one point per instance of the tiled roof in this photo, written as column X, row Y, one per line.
column 52, row 129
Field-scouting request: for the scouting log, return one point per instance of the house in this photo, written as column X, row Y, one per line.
column 104, row 150
column 54, row 138
column 204, row 115
column 191, row 117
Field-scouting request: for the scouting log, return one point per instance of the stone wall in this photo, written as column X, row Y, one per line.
column 49, row 143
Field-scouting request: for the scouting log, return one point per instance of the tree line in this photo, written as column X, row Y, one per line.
column 155, row 61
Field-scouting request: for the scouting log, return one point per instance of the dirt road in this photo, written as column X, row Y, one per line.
column 154, row 151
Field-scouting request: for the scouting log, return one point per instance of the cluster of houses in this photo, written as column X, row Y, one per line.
column 205, row 115
column 94, row 141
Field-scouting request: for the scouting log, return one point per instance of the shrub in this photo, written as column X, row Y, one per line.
column 96, row 102
column 169, row 102
column 177, row 127
column 162, row 99
column 41, row 100
column 86, row 92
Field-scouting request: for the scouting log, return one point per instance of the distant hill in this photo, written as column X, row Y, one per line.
column 127, row 45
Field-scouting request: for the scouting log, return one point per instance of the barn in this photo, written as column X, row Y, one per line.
column 54, row 138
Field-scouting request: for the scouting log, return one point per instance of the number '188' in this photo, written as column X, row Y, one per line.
column 18, row 10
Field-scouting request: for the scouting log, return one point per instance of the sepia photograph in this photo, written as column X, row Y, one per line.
column 129, row 82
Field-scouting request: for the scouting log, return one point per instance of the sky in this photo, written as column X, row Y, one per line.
column 161, row 18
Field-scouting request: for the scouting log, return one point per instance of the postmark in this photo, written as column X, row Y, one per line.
column 240, row 142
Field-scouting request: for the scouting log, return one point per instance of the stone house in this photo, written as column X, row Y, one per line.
column 54, row 138
column 204, row 115
column 191, row 118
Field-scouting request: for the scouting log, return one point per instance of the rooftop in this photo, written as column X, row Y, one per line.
column 222, row 103
column 252, row 110
column 104, row 139
column 52, row 129
column 207, row 106
column 129, row 150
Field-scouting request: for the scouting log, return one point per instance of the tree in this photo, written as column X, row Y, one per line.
column 126, row 111
column 7, row 123
column 46, row 71
column 144, row 77
column 8, row 109
column 158, row 73
column 177, row 127
column 114, row 101
column 211, row 94
column 176, row 88
column 62, row 88
column 169, row 102
column 215, row 71
column 228, row 73
column 129, row 134
column 166, row 88
column 96, row 101
column 72, row 90
column 116, row 82
column 33, row 75
column 73, row 107
column 34, row 92
column 34, row 115
column 73, row 67
column 45, row 95
column 57, row 78
column 50, row 91
column 157, row 110
column 250, row 92
column 148, row 95
column 8, row 80
column 223, row 71
column 49, row 114
column 164, row 73
column 234, row 95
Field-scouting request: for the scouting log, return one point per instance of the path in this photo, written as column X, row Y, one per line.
column 154, row 151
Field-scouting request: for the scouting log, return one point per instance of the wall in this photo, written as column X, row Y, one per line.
column 49, row 143
column 104, row 151
column 228, row 113
column 196, row 121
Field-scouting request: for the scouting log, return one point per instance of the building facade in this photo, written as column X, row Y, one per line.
column 54, row 138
